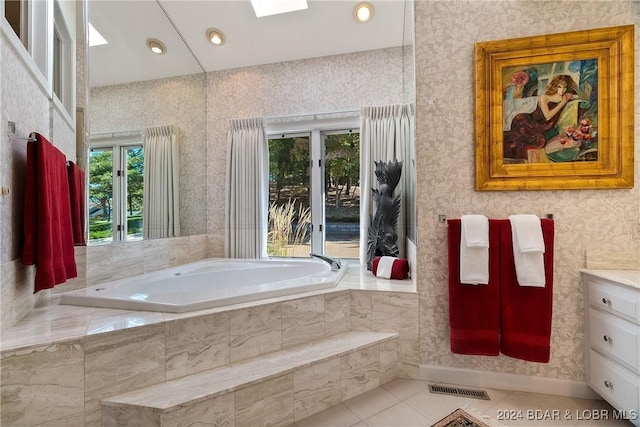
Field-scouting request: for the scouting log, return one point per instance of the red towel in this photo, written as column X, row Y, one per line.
column 525, row 311
column 76, row 195
column 47, row 216
column 399, row 269
column 474, row 317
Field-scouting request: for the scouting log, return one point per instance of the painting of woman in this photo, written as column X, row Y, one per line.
column 528, row 130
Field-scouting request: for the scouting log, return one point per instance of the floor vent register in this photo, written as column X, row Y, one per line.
column 456, row 391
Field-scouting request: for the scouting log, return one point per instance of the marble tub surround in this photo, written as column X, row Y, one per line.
column 188, row 343
column 281, row 387
column 96, row 264
column 49, row 321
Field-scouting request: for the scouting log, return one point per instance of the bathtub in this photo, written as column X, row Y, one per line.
column 207, row 284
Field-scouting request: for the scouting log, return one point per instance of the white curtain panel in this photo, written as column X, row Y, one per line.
column 161, row 202
column 386, row 134
column 247, row 195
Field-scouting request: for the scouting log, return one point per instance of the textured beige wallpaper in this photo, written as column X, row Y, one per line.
column 598, row 225
column 317, row 85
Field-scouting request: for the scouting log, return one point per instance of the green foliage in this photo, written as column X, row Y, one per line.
column 135, row 178
column 101, row 187
column 288, row 163
column 342, row 156
column 100, row 180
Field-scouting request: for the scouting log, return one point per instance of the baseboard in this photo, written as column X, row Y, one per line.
column 505, row 381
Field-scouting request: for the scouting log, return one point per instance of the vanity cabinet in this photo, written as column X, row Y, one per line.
column 612, row 316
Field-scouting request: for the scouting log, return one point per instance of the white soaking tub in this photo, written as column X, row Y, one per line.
column 209, row 283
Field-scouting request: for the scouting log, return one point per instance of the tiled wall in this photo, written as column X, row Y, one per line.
column 63, row 383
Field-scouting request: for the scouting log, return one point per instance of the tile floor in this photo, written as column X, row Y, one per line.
column 408, row 403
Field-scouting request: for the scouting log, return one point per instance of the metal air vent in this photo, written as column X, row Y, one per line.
column 461, row 392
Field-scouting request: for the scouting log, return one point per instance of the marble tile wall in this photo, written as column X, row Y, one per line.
column 390, row 311
column 105, row 363
column 195, row 344
column 121, row 361
column 275, row 401
column 125, row 259
column 44, row 383
column 96, row 264
column 316, row 388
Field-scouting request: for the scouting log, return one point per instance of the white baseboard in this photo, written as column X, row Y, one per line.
column 504, row 381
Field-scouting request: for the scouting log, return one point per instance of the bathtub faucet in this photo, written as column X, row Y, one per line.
column 333, row 262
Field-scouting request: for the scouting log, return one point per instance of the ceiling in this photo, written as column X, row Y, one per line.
column 326, row 28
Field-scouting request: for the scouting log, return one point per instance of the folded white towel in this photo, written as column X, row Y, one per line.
column 475, row 229
column 528, row 232
column 385, row 265
column 528, row 250
column 474, row 250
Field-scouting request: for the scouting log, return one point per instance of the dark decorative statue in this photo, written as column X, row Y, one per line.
column 383, row 237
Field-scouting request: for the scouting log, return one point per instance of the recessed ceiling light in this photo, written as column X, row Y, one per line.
column 273, row 7
column 363, row 12
column 215, row 36
column 95, row 38
column 156, row 46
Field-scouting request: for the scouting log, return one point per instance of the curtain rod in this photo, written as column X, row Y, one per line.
column 114, row 134
column 314, row 115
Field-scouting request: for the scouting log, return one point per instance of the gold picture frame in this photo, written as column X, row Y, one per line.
column 555, row 111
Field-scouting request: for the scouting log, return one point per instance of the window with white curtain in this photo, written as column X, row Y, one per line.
column 116, row 187
column 314, row 191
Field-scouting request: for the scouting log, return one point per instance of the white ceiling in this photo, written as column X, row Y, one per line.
column 327, row 27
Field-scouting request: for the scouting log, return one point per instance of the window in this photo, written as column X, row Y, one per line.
column 16, row 14
column 27, row 26
column 63, row 69
column 115, row 191
column 314, row 193
column 39, row 33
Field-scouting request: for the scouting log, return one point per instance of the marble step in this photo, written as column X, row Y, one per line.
column 274, row 389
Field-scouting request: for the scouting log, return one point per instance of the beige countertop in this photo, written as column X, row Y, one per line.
column 629, row 278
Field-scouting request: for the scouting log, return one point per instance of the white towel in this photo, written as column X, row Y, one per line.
column 528, row 250
column 474, row 250
column 385, row 265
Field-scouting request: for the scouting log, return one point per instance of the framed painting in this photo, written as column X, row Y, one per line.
column 555, row 111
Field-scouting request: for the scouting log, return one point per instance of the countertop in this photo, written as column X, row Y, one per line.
column 629, row 278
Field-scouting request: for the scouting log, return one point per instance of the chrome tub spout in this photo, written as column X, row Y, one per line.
column 335, row 263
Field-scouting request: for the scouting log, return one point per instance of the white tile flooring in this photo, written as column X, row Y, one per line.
column 408, row 403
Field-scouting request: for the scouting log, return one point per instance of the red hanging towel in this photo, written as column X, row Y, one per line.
column 47, row 216
column 76, row 195
column 525, row 311
column 474, row 317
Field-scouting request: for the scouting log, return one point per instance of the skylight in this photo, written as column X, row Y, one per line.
column 95, row 38
column 274, row 7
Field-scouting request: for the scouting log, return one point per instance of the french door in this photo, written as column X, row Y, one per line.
column 314, row 193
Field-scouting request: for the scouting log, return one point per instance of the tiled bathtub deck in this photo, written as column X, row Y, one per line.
column 60, row 362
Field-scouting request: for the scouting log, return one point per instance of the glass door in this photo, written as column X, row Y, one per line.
column 342, row 194
column 289, row 232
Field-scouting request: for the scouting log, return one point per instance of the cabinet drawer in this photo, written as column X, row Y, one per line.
column 615, row 337
column 615, row 384
column 614, row 298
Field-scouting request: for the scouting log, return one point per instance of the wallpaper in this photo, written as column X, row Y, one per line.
column 589, row 224
column 326, row 84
